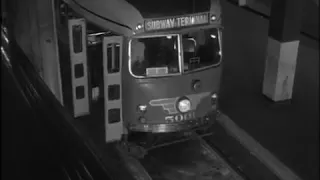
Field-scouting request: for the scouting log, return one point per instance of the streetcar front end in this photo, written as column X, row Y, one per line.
column 174, row 80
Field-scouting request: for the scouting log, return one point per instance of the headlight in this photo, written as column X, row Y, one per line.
column 213, row 18
column 184, row 105
column 142, row 108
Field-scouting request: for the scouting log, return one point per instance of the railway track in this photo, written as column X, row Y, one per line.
column 191, row 159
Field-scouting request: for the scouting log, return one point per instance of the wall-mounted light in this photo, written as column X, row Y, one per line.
column 214, row 99
column 213, row 36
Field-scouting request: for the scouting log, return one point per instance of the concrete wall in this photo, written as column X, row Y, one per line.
column 310, row 24
column 26, row 31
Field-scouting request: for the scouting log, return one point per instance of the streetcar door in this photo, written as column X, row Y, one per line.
column 78, row 60
column 112, row 63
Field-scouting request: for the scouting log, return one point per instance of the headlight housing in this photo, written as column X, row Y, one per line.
column 184, row 105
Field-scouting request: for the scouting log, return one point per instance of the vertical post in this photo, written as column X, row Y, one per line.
column 282, row 49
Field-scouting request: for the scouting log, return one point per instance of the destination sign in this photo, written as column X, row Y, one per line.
column 176, row 22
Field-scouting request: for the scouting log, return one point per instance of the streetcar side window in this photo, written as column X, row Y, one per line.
column 77, row 38
column 113, row 54
column 201, row 49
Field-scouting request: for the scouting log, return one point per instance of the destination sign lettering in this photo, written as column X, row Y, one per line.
column 177, row 22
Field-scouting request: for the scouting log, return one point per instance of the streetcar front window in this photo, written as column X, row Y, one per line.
column 201, row 49
column 154, row 56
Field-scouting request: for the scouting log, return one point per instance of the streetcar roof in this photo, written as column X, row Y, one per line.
column 115, row 11
column 125, row 15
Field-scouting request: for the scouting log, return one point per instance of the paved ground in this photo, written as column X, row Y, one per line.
column 289, row 130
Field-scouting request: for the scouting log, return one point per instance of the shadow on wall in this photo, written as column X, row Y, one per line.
column 310, row 22
column 244, row 41
column 306, row 84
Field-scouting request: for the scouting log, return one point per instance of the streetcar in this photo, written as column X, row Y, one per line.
column 149, row 67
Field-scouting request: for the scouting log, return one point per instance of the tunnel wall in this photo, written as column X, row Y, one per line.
column 26, row 31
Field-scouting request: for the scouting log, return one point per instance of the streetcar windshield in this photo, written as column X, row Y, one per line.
column 201, row 49
column 154, row 56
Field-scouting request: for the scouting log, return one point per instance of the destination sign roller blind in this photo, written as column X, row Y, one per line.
column 176, row 22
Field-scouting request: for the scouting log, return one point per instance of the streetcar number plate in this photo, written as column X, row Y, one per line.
column 180, row 117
